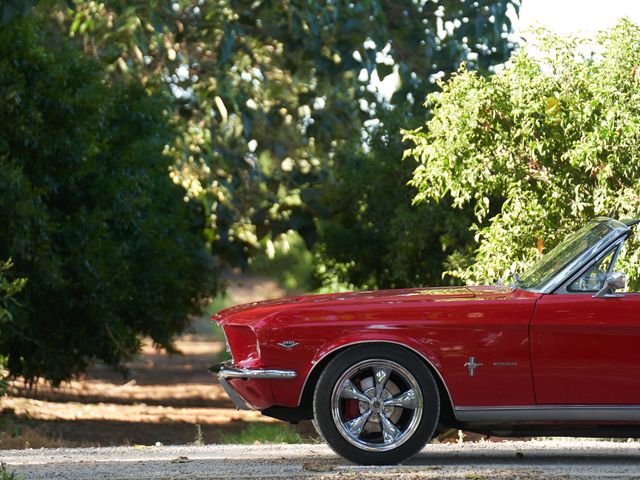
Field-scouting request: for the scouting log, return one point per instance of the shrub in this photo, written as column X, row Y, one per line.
column 90, row 216
column 548, row 142
column 8, row 289
column 374, row 236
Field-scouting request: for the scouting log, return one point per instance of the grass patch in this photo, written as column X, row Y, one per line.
column 198, row 441
column 7, row 475
column 264, row 433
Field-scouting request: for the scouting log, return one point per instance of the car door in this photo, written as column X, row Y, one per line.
column 585, row 350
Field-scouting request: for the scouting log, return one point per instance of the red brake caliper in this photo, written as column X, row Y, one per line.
column 352, row 407
column 352, row 410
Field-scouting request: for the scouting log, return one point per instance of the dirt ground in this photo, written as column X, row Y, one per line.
column 171, row 399
column 532, row 460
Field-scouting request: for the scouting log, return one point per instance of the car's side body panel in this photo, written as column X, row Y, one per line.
column 585, row 350
column 446, row 327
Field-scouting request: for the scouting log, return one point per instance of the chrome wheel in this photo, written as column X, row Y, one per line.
column 377, row 405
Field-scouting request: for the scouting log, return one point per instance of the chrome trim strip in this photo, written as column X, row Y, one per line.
column 596, row 413
column 226, row 371
column 232, row 372
column 237, row 400
column 304, row 385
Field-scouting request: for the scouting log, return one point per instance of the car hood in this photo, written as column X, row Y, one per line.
column 437, row 294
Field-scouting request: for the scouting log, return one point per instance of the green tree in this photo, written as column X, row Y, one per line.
column 548, row 142
column 89, row 215
column 265, row 92
column 9, row 287
column 12, row 8
column 8, row 290
column 375, row 237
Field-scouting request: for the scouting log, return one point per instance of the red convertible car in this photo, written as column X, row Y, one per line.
column 555, row 352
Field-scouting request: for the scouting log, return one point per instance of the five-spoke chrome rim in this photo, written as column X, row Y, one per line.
column 377, row 405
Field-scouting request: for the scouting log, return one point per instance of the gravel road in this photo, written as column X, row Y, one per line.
column 505, row 460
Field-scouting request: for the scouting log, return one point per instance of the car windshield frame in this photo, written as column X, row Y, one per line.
column 575, row 251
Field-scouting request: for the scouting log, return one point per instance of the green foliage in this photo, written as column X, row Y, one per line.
column 5, row 474
column 8, row 290
column 111, row 249
column 12, row 8
column 264, row 433
column 4, row 381
column 287, row 261
column 548, row 142
column 375, row 237
column 265, row 92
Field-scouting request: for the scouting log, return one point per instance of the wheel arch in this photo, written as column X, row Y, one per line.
column 306, row 395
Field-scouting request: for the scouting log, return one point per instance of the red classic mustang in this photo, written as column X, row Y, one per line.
column 382, row 372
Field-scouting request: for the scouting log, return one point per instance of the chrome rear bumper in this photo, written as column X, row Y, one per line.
column 226, row 371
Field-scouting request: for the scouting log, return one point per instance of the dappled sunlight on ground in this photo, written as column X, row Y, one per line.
column 164, row 398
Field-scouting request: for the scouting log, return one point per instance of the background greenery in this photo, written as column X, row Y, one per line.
column 375, row 237
column 265, row 93
column 538, row 148
column 148, row 147
column 90, row 217
column 8, row 290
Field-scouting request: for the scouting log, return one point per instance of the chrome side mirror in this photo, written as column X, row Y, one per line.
column 615, row 281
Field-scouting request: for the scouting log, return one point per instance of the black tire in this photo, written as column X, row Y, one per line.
column 331, row 424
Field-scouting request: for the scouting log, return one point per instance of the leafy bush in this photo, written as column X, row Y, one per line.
column 287, row 261
column 375, row 237
column 5, row 474
column 548, row 142
column 111, row 249
column 266, row 91
column 8, row 290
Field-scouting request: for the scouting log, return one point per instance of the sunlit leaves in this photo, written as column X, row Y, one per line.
column 266, row 92
column 553, row 139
